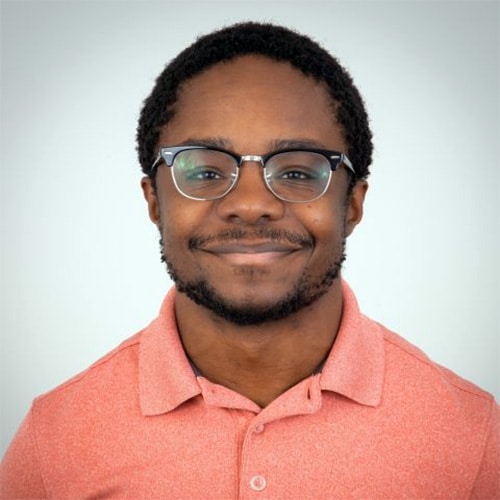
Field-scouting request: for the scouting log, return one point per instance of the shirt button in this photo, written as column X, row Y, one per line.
column 258, row 483
column 258, row 428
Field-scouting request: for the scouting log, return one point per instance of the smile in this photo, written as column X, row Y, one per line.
column 252, row 253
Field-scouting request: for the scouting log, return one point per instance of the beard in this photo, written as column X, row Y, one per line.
column 307, row 289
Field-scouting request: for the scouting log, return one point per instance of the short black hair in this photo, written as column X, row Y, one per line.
column 277, row 43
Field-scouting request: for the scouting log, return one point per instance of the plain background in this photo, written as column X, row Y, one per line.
column 80, row 260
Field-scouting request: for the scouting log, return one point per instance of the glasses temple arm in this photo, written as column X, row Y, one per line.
column 156, row 162
column 347, row 163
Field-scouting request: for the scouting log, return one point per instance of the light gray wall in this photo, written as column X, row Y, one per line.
column 80, row 261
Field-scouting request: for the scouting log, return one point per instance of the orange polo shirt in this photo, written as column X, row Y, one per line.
column 380, row 421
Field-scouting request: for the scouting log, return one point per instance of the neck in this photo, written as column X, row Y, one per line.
column 260, row 361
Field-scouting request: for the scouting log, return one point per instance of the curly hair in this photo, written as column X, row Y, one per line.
column 277, row 43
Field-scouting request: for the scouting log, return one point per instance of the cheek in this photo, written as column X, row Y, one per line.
column 324, row 222
column 329, row 235
column 181, row 219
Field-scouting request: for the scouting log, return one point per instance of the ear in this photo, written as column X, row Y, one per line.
column 354, row 212
column 151, row 199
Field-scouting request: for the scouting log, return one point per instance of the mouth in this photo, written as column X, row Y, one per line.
column 252, row 253
column 256, row 248
column 251, row 248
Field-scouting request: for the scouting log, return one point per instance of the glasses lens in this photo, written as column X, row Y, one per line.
column 298, row 175
column 203, row 174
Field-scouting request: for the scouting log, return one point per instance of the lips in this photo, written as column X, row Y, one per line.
column 251, row 253
column 262, row 247
column 261, row 255
column 251, row 247
column 258, row 241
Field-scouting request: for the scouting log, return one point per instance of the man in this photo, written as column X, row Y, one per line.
column 260, row 377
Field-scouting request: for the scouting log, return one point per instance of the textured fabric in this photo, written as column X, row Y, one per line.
column 380, row 421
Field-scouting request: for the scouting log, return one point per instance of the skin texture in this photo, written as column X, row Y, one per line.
column 254, row 105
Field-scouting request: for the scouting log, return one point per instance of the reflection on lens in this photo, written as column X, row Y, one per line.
column 204, row 174
column 298, row 176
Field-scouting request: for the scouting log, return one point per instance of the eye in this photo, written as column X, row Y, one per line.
column 297, row 167
column 203, row 166
column 203, row 173
column 294, row 174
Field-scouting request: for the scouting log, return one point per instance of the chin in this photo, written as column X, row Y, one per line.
column 254, row 310
column 265, row 302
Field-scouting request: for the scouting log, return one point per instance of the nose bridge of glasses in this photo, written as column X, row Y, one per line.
column 250, row 174
column 252, row 158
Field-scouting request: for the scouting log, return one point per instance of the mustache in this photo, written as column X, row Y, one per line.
column 236, row 234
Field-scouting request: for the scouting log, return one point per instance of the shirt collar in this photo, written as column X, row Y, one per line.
column 166, row 378
column 355, row 365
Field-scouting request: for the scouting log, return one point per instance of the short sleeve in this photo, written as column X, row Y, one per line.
column 487, row 484
column 20, row 475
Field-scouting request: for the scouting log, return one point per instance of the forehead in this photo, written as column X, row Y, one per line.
column 251, row 100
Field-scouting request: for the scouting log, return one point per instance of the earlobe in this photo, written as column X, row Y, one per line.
column 354, row 212
column 151, row 199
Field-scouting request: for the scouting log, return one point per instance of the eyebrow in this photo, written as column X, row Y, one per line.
column 275, row 145
column 209, row 142
column 297, row 143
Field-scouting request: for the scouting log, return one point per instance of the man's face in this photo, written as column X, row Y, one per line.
column 250, row 257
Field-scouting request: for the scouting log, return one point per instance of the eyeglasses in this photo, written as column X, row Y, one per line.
column 293, row 175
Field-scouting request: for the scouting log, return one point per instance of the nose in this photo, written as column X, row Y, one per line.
column 250, row 201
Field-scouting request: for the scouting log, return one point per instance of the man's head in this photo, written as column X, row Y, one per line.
column 277, row 43
column 248, row 255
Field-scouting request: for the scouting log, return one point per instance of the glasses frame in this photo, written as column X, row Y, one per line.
column 167, row 154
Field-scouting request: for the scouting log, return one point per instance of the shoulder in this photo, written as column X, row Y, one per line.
column 111, row 374
column 441, row 394
column 408, row 356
